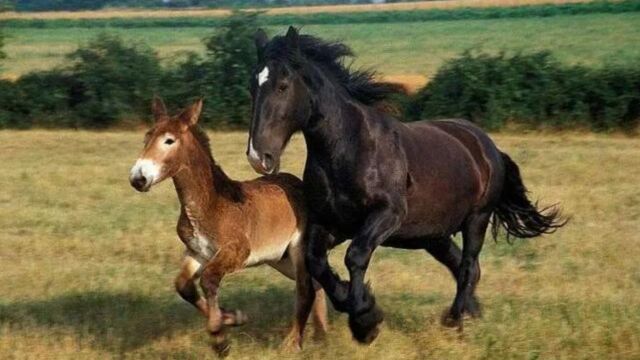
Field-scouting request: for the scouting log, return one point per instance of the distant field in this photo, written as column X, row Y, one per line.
column 417, row 5
column 411, row 51
column 88, row 264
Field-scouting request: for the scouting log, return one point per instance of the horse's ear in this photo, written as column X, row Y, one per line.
column 191, row 115
column 158, row 109
column 261, row 39
column 292, row 37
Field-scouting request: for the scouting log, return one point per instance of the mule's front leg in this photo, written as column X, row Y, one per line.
column 225, row 262
column 185, row 284
column 364, row 315
column 317, row 243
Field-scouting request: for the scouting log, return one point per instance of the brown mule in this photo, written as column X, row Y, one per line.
column 227, row 225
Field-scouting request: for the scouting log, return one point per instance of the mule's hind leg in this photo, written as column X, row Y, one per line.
column 449, row 254
column 472, row 240
column 319, row 312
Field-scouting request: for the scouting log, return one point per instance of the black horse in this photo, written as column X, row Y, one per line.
column 380, row 182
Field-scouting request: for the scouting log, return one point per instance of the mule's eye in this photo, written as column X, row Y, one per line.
column 282, row 88
column 169, row 141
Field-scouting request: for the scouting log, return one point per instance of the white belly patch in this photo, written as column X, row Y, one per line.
column 273, row 252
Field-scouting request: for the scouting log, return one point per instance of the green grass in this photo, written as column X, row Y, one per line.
column 88, row 264
column 393, row 48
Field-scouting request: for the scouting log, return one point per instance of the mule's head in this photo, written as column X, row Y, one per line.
column 166, row 146
column 281, row 99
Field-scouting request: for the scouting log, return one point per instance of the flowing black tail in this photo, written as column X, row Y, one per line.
column 516, row 214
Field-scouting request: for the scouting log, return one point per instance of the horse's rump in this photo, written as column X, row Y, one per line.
column 451, row 170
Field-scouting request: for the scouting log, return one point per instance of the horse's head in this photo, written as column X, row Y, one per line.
column 166, row 146
column 281, row 100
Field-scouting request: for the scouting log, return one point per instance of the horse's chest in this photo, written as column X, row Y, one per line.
column 332, row 202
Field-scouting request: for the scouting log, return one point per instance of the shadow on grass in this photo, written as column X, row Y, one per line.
column 120, row 322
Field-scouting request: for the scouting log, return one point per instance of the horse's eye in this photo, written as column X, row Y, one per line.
column 169, row 141
column 282, row 88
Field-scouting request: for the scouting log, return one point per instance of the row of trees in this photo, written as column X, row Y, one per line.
column 55, row 5
column 109, row 81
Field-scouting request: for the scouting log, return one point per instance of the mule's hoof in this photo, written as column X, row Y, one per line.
column 291, row 344
column 241, row 318
column 365, row 327
column 222, row 348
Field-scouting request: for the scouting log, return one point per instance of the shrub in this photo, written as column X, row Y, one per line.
column 113, row 80
column 221, row 77
column 530, row 88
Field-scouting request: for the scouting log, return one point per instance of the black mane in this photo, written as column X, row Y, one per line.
column 360, row 84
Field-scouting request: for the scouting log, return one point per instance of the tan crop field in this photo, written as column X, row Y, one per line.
column 88, row 264
column 135, row 13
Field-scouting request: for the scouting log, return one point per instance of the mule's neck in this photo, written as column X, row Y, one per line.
column 196, row 183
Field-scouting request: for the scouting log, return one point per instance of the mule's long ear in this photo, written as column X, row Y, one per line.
column 261, row 39
column 191, row 115
column 292, row 37
column 158, row 109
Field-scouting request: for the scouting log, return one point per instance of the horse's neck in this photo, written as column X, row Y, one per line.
column 338, row 125
column 196, row 188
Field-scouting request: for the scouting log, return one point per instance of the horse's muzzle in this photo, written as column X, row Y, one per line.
column 265, row 164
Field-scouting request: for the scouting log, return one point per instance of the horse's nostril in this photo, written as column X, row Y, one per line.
column 267, row 161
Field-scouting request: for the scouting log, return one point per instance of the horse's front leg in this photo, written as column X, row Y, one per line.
column 364, row 315
column 224, row 262
column 317, row 243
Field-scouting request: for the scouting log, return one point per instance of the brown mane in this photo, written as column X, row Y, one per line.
column 225, row 186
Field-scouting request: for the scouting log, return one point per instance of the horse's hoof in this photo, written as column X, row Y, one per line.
column 222, row 348
column 472, row 307
column 450, row 321
column 365, row 327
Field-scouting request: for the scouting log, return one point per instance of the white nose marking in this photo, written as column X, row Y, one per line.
column 263, row 76
column 253, row 154
column 147, row 168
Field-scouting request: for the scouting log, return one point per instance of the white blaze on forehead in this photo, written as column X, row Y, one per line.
column 147, row 168
column 263, row 76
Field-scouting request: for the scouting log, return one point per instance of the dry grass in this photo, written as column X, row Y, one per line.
column 87, row 263
column 146, row 13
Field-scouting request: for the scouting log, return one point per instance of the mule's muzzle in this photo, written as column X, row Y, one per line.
column 140, row 182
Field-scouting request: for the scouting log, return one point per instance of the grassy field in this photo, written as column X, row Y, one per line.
column 88, row 264
column 411, row 52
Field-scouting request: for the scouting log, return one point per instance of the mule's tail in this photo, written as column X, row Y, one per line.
column 515, row 212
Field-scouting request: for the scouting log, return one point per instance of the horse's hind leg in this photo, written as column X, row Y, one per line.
column 472, row 239
column 449, row 254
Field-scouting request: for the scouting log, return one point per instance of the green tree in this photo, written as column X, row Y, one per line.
column 222, row 75
column 115, row 80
